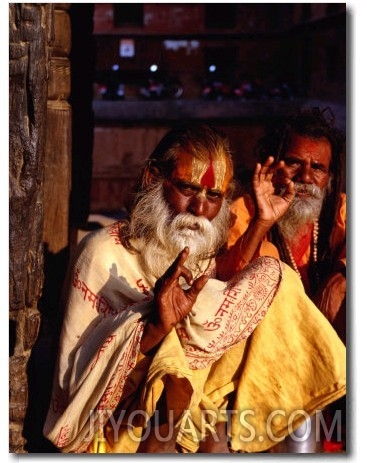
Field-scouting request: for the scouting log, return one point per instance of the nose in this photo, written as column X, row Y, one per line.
column 304, row 175
column 198, row 205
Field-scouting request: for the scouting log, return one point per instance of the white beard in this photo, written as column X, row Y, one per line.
column 164, row 237
column 302, row 211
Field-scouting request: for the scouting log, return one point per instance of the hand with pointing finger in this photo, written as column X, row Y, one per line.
column 172, row 302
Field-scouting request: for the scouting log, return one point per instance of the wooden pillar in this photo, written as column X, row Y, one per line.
column 57, row 183
column 43, row 215
column 29, row 36
column 40, row 185
column 55, row 226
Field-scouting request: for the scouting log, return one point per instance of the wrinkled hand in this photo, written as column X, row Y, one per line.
column 330, row 297
column 271, row 206
column 173, row 302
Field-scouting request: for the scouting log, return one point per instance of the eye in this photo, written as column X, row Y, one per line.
column 214, row 195
column 186, row 189
column 319, row 167
column 293, row 163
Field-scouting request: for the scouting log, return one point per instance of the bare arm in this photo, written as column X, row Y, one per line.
column 269, row 207
column 172, row 303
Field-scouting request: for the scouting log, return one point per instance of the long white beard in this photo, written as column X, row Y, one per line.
column 163, row 237
column 302, row 211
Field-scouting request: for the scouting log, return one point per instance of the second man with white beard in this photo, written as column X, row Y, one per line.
column 311, row 235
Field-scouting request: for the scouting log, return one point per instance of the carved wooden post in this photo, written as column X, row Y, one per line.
column 57, row 183
column 29, row 36
column 41, row 145
column 56, row 187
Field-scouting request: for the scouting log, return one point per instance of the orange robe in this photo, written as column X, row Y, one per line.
column 243, row 210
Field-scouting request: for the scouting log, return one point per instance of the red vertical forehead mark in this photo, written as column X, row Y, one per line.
column 207, row 180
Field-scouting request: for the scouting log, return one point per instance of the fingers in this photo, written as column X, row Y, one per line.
column 175, row 271
column 268, row 171
column 180, row 259
column 264, row 169
column 290, row 190
column 269, row 161
column 197, row 285
column 180, row 269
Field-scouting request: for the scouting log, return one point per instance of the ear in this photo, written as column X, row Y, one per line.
column 150, row 174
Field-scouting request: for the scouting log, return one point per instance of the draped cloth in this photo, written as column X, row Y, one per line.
column 243, row 209
column 214, row 366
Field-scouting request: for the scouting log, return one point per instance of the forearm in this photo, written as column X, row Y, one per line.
column 151, row 338
column 243, row 251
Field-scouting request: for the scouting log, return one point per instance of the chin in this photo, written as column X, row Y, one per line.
column 187, row 233
column 194, row 241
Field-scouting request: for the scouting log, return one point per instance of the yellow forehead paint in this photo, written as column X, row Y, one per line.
column 213, row 174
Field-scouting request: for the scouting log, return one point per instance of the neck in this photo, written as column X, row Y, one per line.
column 314, row 250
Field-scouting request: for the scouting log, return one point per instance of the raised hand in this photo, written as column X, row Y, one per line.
column 172, row 302
column 273, row 193
column 270, row 205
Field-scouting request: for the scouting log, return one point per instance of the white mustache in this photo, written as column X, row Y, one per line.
column 191, row 222
column 309, row 188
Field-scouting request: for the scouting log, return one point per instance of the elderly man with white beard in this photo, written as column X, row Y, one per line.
column 311, row 235
column 165, row 347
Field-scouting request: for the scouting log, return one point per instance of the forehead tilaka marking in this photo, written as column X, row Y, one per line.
column 207, row 180
column 211, row 173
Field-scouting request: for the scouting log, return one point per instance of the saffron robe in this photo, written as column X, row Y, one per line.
column 243, row 210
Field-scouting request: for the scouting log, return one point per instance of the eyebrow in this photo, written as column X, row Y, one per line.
column 301, row 161
column 197, row 186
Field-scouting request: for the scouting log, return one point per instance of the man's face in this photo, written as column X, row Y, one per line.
column 197, row 187
column 188, row 209
column 307, row 161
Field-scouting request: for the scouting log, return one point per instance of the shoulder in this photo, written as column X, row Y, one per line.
column 342, row 207
column 99, row 244
column 343, row 200
column 243, row 206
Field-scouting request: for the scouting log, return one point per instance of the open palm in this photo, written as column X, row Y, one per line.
column 271, row 206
